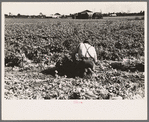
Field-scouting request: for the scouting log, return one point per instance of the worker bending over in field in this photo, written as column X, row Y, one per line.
column 87, row 58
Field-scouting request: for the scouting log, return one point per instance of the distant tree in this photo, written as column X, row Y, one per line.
column 141, row 13
column 10, row 14
column 6, row 15
column 18, row 15
column 40, row 14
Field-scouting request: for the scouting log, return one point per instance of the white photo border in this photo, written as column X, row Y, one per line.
column 67, row 109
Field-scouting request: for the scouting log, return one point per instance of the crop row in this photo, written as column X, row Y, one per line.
column 113, row 40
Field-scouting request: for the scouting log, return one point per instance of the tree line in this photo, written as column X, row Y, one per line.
column 141, row 13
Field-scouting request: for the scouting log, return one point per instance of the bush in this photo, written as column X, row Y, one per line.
column 12, row 60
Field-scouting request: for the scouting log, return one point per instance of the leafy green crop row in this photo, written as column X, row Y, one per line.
column 113, row 40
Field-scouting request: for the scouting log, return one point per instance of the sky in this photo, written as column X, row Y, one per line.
column 48, row 8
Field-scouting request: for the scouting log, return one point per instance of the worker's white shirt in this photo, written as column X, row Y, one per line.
column 82, row 51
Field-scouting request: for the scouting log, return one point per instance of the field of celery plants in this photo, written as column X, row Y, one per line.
column 34, row 46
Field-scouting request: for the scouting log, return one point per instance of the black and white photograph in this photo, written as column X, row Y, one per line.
column 76, row 52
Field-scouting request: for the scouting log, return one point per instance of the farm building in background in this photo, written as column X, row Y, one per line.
column 83, row 15
column 113, row 15
column 56, row 15
column 87, row 15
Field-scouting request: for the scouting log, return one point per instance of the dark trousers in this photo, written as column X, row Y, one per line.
column 85, row 65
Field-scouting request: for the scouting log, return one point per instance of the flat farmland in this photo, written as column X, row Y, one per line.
column 124, row 17
column 33, row 46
